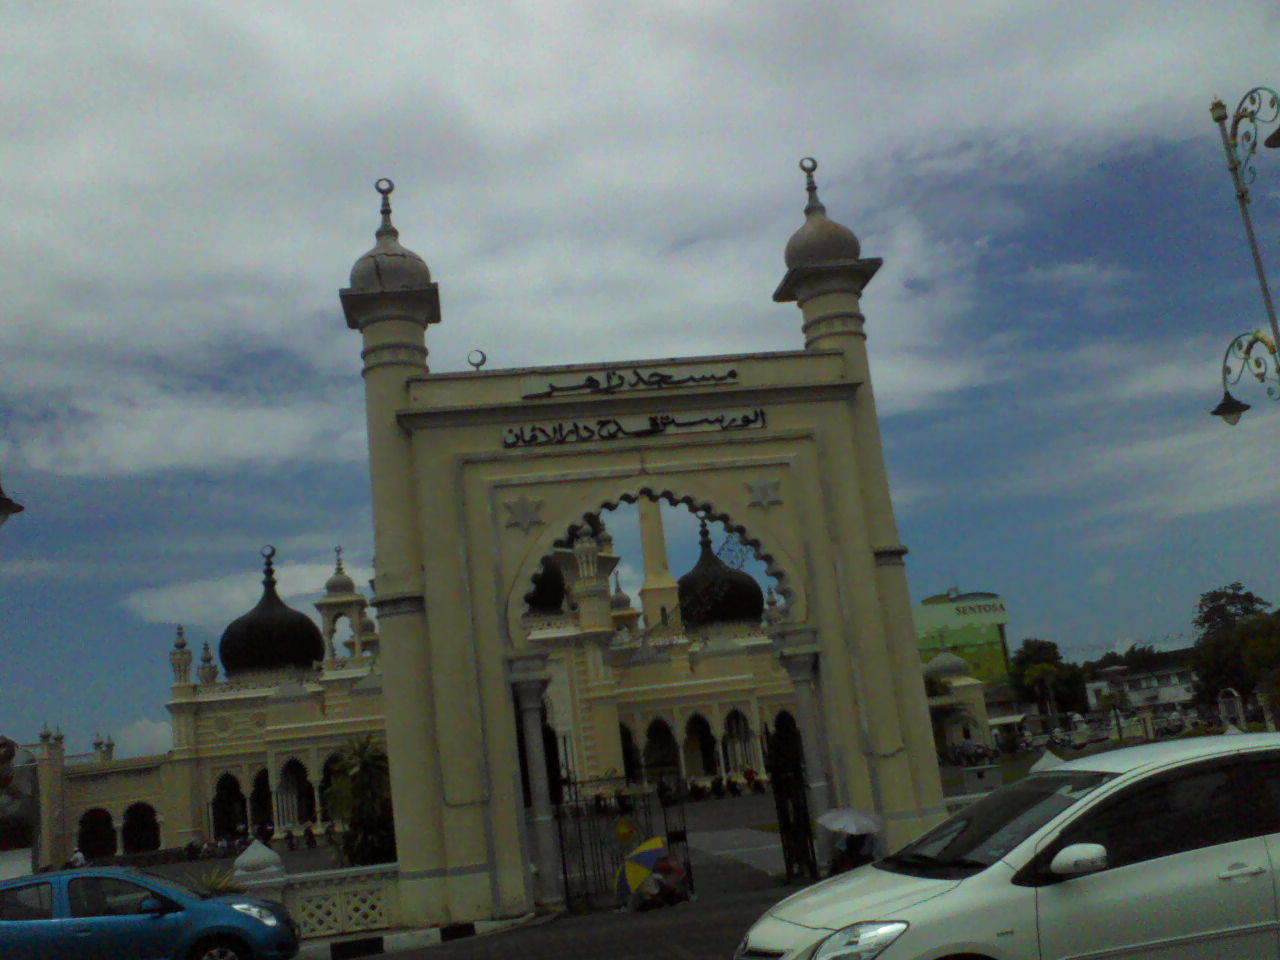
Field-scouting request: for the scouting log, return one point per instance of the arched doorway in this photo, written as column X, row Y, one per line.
column 737, row 742
column 260, row 809
column 97, row 835
column 297, row 795
column 631, row 766
column 140, row 830
column 699, row 748
column 228, row 810
column 661, row 753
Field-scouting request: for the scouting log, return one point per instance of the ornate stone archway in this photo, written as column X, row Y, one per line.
column 476, row 475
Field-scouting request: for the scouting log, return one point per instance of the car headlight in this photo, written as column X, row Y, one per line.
column 263, row 914
column 861, row 941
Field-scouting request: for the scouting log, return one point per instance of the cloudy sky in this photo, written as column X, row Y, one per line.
column 185, row 187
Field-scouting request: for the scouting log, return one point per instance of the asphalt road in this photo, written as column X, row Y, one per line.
column 691, row 931
column 736, row 871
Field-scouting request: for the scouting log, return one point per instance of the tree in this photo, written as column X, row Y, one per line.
column 1041, row 677
column 1219, row 653
column 1223, row 608
column 360, row 795
column 1115, row 701
column 1259, row 640
column 1060, row 685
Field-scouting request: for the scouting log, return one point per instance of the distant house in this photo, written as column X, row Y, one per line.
column 1167, row 690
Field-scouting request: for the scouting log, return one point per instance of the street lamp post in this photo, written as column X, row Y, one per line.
column 8, row 507
column 1261, row 105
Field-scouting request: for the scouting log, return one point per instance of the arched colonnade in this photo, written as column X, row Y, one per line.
column 293, row 800
column 656, row 752
column 102, row 833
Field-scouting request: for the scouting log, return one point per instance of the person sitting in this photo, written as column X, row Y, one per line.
column 851, row 851
column 665, row 887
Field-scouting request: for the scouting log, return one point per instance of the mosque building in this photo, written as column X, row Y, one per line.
column 255, row 744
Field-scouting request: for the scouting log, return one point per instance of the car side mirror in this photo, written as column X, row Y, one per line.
column 152, row 905
column 1079, row 858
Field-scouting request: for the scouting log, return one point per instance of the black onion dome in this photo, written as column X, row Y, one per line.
column 714, row 592
column 547, row 595
column 272, row 635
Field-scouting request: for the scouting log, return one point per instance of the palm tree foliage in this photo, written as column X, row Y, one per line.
column 360, row 795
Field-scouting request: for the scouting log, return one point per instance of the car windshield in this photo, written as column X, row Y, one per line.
column 175, row 886
column 989, row 828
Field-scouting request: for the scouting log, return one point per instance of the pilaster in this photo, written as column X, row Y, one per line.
column 529, row 679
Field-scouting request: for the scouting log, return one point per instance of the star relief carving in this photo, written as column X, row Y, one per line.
column 764, row 494
column 524, row 513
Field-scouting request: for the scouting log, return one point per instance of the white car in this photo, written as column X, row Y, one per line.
column 1167, row 851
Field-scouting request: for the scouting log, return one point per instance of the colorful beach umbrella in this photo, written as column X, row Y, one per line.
column 637, row 866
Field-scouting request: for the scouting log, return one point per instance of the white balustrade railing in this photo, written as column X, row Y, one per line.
column 331, row 902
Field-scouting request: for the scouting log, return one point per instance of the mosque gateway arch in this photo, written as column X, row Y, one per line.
column 492, row 574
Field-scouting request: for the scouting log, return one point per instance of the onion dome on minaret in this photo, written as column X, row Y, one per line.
column 821, row 245
column 820, row 240
column 340, row 584
column 390, row 283
column 207, row 672
column 271, row 636
column 714, row 592
column 388, row 266
column 619, row 600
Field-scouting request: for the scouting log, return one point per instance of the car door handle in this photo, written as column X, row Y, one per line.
column 1239, row 870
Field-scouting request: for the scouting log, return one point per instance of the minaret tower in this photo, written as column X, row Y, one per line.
column 340, row 600
column 826, row 274
column 391, row 301
column 660, row 595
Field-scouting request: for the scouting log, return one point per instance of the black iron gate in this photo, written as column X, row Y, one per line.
column 784, row 759
column 599, row 822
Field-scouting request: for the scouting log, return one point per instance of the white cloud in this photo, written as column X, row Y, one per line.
column 565, row 220
column 1100, row 288
column 210, row 604
column 143, row 737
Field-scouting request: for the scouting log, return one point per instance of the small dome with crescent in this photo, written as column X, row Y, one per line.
column 388, row 266
column 340, row 584
column 820, row 241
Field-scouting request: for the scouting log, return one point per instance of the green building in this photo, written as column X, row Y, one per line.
column 970, row 625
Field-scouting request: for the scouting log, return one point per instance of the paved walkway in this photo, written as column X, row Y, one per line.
column 732, row 893
column 737, row 870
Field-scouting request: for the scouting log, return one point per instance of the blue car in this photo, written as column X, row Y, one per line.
column 115, row 913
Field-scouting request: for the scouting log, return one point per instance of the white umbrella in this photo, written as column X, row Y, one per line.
column 1048, row 760
column 849, row 820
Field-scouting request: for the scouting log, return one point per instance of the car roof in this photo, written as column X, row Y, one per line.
column 130, row 872
column 1128, row 759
